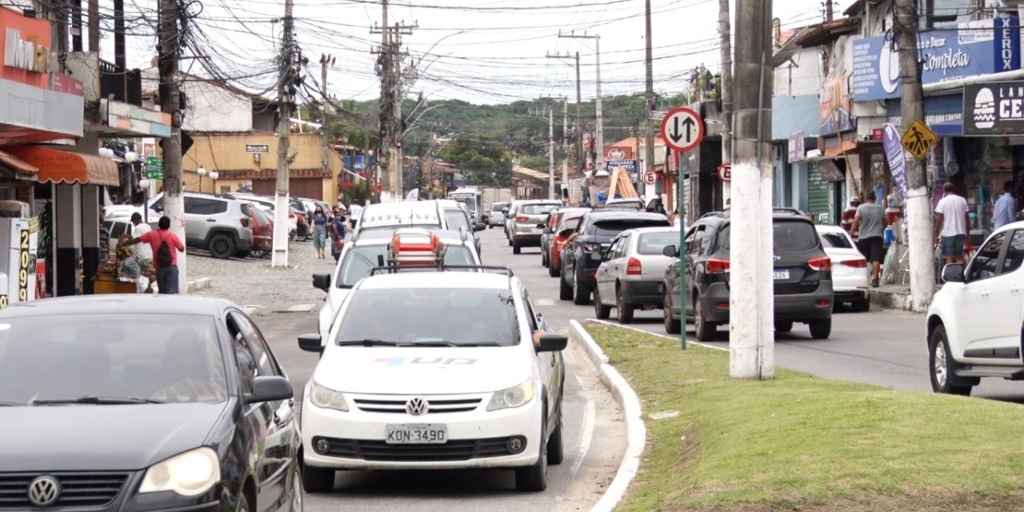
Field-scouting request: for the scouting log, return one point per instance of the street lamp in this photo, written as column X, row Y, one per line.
column 213, row 176
column 201, row 171
column 144, row 185
column 131, row 157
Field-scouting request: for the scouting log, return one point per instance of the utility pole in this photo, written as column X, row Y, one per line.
column 919, row 221
column 390, row 69
column 284, row 128
column 580, row 162
column 170, row 103
column 325, row 164
column 599, row 136
column 649, row 104
column 384, row 118
column 565, row 142
column 551, row 153
column 725, row 88
column 751, row 302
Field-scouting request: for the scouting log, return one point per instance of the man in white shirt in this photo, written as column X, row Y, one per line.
column 951, row 225
column 143, row 252
column 353, row 213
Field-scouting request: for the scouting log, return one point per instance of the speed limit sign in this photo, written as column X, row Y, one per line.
column 650, row 177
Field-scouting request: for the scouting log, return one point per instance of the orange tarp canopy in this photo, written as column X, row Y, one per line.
column 20, row 167
column 57, row 166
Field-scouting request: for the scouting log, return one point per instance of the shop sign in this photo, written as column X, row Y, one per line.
column 897, row 165
column 257, row 148
column 974, row 48
column 65, row 84
column 796, row 146
column 994, row 109
column 836, row 105
column 25, row 53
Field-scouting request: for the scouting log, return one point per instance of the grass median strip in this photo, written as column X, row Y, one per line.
column 800, row 442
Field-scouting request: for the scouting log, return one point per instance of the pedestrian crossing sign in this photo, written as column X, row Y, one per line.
column 919, row 139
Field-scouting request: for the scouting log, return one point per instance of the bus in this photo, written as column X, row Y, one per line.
column 471, row 197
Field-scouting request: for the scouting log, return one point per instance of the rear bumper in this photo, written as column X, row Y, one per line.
column 850, row 295
column 798, row 308
column 642, row 293
column 532, row 239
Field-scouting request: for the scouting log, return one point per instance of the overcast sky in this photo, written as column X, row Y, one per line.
column 482, row 51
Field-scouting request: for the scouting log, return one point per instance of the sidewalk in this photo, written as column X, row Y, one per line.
column 891, row 296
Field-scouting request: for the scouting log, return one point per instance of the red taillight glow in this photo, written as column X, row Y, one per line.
column 633, row 267
column 522, row 218
column 722, row 305
column 717, row 266
column 823, row 264
column 245, row 222
column 855, row 263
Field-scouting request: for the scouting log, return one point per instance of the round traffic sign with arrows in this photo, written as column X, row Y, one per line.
column 682, row 129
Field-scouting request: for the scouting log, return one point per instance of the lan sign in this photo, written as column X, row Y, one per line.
column 919, row 139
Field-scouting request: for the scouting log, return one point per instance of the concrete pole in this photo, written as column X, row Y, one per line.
column 565, row 142
column 581, row 163
column 919, row 223
column 725, row 87
column 599, row 160
column 551, row 153
column 751, row 298
column 649, row 96
column 325, row 164
column 280, row 241
column 174, row 202
column 399, row 167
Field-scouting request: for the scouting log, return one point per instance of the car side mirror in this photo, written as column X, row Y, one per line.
column 269, row 388
column 504, row 211
column 551, row 342
column 548, row 230
column 566, row 233
column 953, row 273
column 322, row 282
column 311, row 343
column 479, row 226
column 670, row 251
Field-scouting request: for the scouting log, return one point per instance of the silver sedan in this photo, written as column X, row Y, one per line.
column 631, row 272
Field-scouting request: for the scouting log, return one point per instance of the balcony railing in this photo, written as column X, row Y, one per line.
column 102, row 79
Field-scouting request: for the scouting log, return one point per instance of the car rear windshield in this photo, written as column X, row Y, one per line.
column 497, row 207
column 165, row 358
column 836, row 241
column 431, row 316
column 789, row 237
column 261, row 216
column 360, row 259
column 655, row 243
column 572, row 223
column 614, row 227
column 538, row 209
column 456, row 219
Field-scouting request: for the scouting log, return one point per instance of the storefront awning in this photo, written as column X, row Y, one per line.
column 21, row 168
column 58, row 166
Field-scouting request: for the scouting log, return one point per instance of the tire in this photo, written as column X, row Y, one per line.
column 509, row 240
column 296, row 502
column 705, row 331
column 672, row 326
column 243, row 254
column 552, row 271
column 221, row 246
column 258, row 254
column 942, row 366
column 534, row 478
column 556, row 448
column 783, row 325
column 821, row 329
column 624, row 311
column 317, row 480
column 516, row 249
column 601, row 311
column 580, row 294
column 543, row 257
column 564, row 289
column 243, row 503
column 861, row 305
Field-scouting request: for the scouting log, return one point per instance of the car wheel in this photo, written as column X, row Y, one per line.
column 243, row 503
column 943, row 366
column 783, row 325
column 564, row 289
column 580, row 294
column 556, row 448
column 243, row 254
column 705, row 331
column 821, row 329
column 256, row 253
column 297, row 492
column 672, row 326
column 516, row 248
column 625, row 311
column 222, row 246
column 317, row 480
column 552, row 271
column 861, row 305
column 543, row 257
column 535, row 478
column 600, row 310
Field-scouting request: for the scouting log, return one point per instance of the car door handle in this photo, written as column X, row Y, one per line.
column 1014, row 288
column 211, row 220
column 984, row 292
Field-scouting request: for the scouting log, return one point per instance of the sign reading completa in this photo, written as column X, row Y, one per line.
column 975, row 48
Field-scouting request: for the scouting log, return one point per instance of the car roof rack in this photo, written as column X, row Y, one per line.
column 440, row 267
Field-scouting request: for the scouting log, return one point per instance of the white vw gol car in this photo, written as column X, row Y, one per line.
column 434, row 370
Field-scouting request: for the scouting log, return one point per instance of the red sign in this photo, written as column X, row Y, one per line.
column 725, row 173
column 618, row 153
column 65, row 84
column 876, row 134
column 682, row 129
column 24, row 48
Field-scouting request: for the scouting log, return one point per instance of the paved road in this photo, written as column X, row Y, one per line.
column 595, row 432
column 881, row 347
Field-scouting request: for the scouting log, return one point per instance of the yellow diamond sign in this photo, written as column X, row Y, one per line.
column 919, row 139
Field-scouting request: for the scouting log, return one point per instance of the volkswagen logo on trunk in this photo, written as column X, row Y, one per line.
column 416, row 406
column 43, row 491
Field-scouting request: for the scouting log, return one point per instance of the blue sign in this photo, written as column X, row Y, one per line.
column 628, row 165
column 975, row 48
column 943, row 114
column 358, row 163
column 898, row 166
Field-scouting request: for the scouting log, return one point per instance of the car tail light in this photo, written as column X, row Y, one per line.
column 633, row 267
column 822, row 264
column 855, row 263
column 717, row 266
column 522, row 218
column 291, row 215
column 245, row 222
column 590, row 247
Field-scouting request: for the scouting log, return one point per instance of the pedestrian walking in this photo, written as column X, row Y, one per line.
column 951, row 224
column 337, row 230
column 166, row 246
column 319, row 222
column 143, row 253
column 353, row 213
column 1005, row 211
column 869, row 223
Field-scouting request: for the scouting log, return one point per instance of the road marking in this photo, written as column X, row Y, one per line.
column 302, row 308
column 544, row 302
column 585, row 437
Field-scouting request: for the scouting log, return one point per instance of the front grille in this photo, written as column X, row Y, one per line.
column 455, row 450
column 434, row 406
column 77, row 490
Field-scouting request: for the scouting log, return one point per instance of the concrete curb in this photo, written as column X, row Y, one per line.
column 636, row 432
column 675, row 338
column 887, row 299
column 199, row 284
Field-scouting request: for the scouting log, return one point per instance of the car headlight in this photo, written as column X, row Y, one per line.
column 189, row 474
column 327, row 398
column 515, row 396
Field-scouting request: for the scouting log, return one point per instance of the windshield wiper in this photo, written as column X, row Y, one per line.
column 368, row 343
column 99, row 400
column 446, row 343
column 11, row 403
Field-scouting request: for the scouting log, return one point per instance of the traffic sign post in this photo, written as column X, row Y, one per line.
column 682, row 129
column 650, row 178
column 725, row 172
column 919, row 139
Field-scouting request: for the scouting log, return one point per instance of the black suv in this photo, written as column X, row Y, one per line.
column 803, row 277
column 583, row 253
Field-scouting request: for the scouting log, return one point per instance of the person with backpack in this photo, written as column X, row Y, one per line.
column 166, row 246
